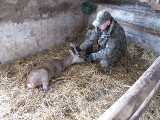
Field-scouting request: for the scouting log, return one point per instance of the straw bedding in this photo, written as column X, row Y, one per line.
column 83, row 92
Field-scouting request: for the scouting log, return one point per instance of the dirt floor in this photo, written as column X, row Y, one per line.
column 84, row 93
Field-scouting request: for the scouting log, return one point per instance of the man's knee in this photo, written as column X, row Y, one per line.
column 108, row 62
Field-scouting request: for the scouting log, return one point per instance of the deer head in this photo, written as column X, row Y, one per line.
column 76, row 57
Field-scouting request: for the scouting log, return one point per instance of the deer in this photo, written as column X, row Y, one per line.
column 43, row 73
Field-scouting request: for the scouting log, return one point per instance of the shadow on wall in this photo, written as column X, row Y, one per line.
column 47, row 9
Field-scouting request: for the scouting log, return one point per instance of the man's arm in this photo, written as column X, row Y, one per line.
column 107, row 52
column 90, row 39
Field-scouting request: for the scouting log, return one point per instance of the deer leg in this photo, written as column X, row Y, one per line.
column 45, row 82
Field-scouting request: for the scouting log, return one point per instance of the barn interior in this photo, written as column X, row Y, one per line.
column 33, row 31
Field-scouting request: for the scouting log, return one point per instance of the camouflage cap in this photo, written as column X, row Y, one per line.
column 102, row 16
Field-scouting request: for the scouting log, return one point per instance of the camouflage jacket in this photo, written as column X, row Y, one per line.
column 112, row 41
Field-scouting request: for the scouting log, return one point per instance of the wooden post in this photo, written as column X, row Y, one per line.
column 155, row 7
column 128, row 103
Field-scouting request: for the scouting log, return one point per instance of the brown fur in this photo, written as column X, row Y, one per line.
column 44, row 72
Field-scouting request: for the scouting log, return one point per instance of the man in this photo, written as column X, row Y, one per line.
column 110, row 37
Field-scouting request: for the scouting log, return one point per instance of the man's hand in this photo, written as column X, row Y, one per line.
column 90, row 59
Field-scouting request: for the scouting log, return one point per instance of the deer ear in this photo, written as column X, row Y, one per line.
column 71, row 44
column 71, row 52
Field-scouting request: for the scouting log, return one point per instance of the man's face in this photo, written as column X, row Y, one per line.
column 105, row 25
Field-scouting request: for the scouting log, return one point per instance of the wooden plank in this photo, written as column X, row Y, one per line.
column 145, row 104
column 128, row 103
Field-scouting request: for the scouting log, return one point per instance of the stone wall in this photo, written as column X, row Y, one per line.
column 29, row 26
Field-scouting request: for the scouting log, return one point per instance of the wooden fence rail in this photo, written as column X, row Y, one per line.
column 133, row 103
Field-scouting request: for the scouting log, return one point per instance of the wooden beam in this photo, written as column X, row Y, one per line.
column 135, row 16
column 140, row 26
column 155, row 7
column 146, row 30
column 128, row 103
column 145, row 104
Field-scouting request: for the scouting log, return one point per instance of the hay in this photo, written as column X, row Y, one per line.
column 84, row 93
